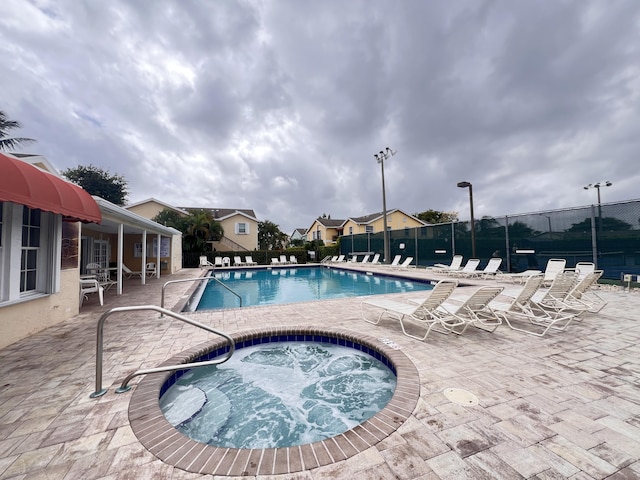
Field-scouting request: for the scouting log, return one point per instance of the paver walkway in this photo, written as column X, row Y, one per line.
column 563, row 406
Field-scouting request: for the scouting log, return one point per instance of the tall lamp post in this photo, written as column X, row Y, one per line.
column 380, row 158
column 473, row 223
column 598, row 186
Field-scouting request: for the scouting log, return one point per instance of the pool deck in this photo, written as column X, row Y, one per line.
column 566, row 405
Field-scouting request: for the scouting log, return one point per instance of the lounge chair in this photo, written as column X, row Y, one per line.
column 226, row 262
column 553, row 299
column 293, row 260
column 334, row 259
column 405, row 264
column 470, row 268
column 520, row 277
column 455, row 265
column 204, row 262
column 553, row 268
column 376, row 259
column 128, row 273
column 583, row 294
column 575, row 294
column 491, row 270
column 275, row 261
column 353, row 259
column 91, row 285
column 426, row 312
column 237, row 261
column 217, row 262
column 396, row 261
column 283, row 259
column 475, row 311
column 524, row 308
column 340, row 259
column 583, row 268
column 365, row 259
column 249, row 260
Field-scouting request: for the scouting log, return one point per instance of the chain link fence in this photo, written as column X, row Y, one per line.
column 607, row 235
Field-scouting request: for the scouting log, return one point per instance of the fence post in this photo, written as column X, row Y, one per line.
column 594, row 240
column 506, row 240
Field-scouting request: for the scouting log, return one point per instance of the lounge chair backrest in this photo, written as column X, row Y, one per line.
column 249, row 259
column 493, row 265
column 334, row 258
column 365, row 259
column 583, row 268
column 585, row 283
column 126, row 269
column 237, row 259
column 440, row 293
column 562, row 284
column 396, row 260
column 376, row 259
column 480, row 299
column 524, row 297
column 554, row 266
column 340, row 258
column 471, row 265
column 283, row 259
column 456, row 262
column 217, row 261
column 293, row 259
column 407, row 262
column 275, row 261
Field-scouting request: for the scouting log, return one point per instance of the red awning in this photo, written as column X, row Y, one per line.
column 22, row 183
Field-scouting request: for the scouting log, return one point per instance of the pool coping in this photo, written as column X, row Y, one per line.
column 164, row 441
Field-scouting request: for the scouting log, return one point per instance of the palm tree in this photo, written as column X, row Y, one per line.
column 6, row 142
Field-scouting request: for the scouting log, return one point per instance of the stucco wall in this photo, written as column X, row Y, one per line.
column 23, row 319
column 147, row 210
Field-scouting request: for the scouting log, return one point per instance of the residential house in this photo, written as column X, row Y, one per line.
column 151, row 207
column 298, row 234
column 373, row 223
column 326, row 229
column 240, row 229
column 49, row 230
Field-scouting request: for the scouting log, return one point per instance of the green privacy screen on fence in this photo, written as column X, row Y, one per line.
column 607, row 234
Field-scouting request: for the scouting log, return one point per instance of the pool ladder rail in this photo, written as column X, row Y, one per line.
column 124, row 387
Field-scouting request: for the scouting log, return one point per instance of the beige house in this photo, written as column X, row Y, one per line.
column 240, row 229
column 326, row 229
column 151, row 207
column 374, row 223
column 50, row 229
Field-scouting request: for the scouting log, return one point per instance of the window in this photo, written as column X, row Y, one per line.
column 350, row 230
column 368, row 229
column 30, row 250
column 242, row 228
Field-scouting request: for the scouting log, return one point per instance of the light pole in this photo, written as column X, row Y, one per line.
column 380, row 158
column 473, row 223
column 597, row 186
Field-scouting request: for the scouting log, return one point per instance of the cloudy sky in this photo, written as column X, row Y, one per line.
column 279, row 106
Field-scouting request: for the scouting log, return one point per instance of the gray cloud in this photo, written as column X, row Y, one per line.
column 280, row 106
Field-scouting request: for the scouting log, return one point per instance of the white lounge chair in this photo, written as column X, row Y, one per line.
column 353, row 259
column 519, row 277
column 226, row 262
column 237, row 261
column 275, row 261
column 425, row 312
column 283, row 259
column 553, row 268
column 405, row 264
column 365, row 259
column 470, row 268
column 204, row 262
column 340, row 259
column 396, row 261
column 376, row 259
column 101, row 274
column 569, row 293
column 523, row 308
column 293, row 260
column 455, row 265
column 475, row 311
column 128, row 273
column 249, row 260
column 491, row 270
column 91, row 285
column 553, row 299
column 217, row 262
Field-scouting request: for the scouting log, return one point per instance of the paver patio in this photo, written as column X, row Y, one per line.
column 566, row 405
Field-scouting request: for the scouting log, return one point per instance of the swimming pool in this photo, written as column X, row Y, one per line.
column 275, row 286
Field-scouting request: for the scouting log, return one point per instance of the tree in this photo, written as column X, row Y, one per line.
column 6, row 142
column 99, row 182
column 270, row 237
column 198, row 228
column 435, row 216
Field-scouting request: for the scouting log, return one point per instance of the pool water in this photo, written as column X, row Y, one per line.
column 292, row 285
column 279, row 395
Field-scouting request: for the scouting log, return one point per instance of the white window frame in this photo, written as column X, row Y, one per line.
column 242, row 228
column 368, row 229
column 48, row 256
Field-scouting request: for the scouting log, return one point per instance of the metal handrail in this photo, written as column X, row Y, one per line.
column 124, row 387
column 193, row 280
